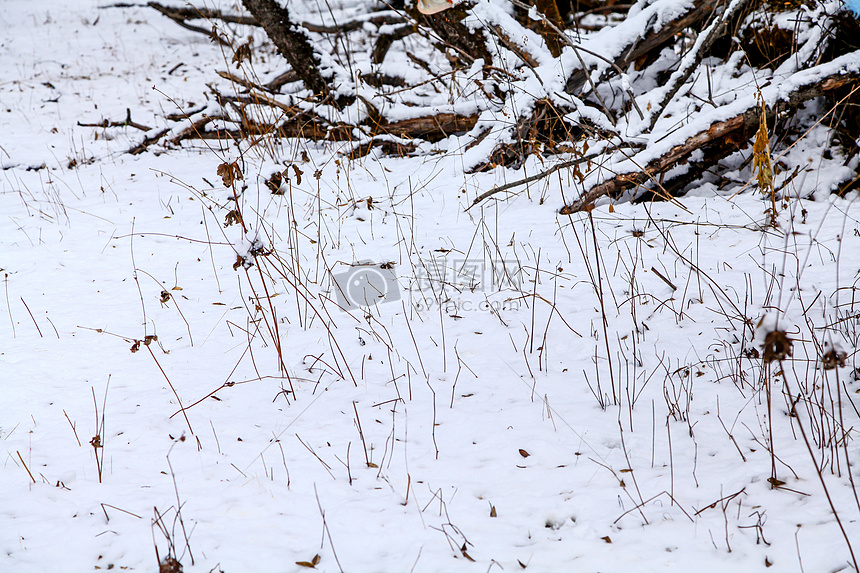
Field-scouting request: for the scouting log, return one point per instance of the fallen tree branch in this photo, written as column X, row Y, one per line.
column 429, row 127
column 127, row 123
column 719, row 140
column 536, row 177
column 174, row 14
column 352, row 24
column 384, row 41
column 291, row 42
column 193, row 13
column 449, row 27
column 692, row 59
column 700, row 10
column 147, row 141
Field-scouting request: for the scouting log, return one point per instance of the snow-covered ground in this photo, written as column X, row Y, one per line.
column 536, row 391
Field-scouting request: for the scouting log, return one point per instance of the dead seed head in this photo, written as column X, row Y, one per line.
column 832, row 359
column 170, row 565
column 777, row 346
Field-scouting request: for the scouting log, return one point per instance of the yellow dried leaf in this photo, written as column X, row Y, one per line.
column 761, row 155
column 310, row 564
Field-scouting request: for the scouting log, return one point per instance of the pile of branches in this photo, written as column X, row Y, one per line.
column 632, row 101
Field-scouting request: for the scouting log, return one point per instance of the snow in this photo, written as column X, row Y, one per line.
column 491, row 416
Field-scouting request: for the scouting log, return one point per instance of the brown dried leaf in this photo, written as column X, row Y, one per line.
column 226, row 174
column 233, row 217
column 524, row 453
column 310, row 564
column 775, row 482
column 493, row 511
column 170, row 565
column 243, row 52
column 777, row 346
column 229, row 172
column 273, row 183
column 606, row 539
column 832, row 359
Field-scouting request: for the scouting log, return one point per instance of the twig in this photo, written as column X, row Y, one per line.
column 664, row 279
column 127, row 123
column 25, row 466
column 536, row 177
column 39, row 330
column 169, row 383
column 692, row 59
column 326, row 529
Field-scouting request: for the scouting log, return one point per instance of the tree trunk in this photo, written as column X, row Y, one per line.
column 291, row 42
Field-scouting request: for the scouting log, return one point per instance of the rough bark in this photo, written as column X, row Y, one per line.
column 700, row 11
column 719, row 140
column 291, row 42
column 448, row 25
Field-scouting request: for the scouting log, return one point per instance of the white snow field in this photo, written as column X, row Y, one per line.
column 598, row 392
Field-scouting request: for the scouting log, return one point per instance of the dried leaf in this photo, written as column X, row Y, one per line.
column 832, row 359
column 229, row 172
column 606, row 539
column 232, row 217
column 493, row 511
column 170, row 565
column 243, row 52
column 310, row 564
column 433, row 6
column 226, row 174
column 761, row 155
column 777, row 346
column 524, row 453
column 273, row 183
